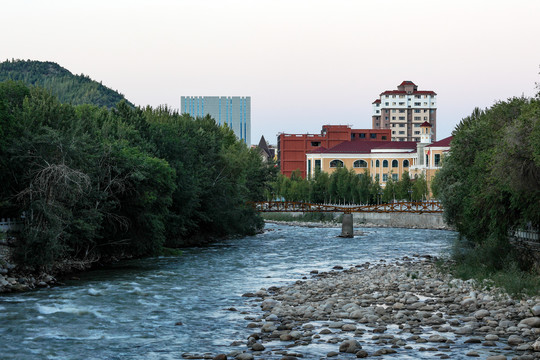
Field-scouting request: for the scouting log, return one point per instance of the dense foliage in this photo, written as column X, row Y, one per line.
column 93, row 183
column 68, row 88
column 345, row 186
column 490, row 183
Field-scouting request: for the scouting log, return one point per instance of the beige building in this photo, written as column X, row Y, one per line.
column 384, row 158
column 404, row 110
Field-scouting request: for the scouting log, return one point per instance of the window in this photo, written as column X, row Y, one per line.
column 417, row 104
column 377, row 163
column 402, row 118
column 393, row 103
column 417, row 133
column 401, row 96
column 437, row 160
column 315, row 143
column 416, row 125
column 384, row 177
column 393, row 132
column 336, row 163
column 387, row 103
column 377, row 111
column 393, row 110
column 372, row 136
column 362, row 135
column 402, row 132
column 386, row 118
column 417, row 96
column 360, row 164
column 417, row 118
column 386, row 111
column 401, row 125
column 405, row 163
column 393, row 118
column 395, row 177
column 385, row 163
column 309, row 167
column 417, row 110
column 401, row 103
column 425, row 117
column 401, row 111
column 317, row 165
column 386, row 96
column 395, row 163
column 383, row 137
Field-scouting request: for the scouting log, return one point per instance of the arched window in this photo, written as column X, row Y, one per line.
column 360, row 164
column 395, row 163
column 336, row 163
column 385, row 163
column 377, row 163
column 405, row 163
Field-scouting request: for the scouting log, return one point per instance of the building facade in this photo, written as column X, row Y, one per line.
column 233, row 111
column 404, row 110
column 387, row 160
column 292, row 148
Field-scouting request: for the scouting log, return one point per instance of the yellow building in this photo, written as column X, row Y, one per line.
column 388, row 159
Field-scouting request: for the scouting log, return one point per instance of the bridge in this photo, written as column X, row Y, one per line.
column 417, row 207
column 414, row 207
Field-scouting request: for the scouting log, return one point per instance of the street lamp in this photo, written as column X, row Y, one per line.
column 380, row 197
column 410, row 194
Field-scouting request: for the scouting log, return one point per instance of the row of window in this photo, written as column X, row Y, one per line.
column 403, row 96
column 363, row 164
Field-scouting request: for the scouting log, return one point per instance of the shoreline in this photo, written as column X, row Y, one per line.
column 404, row 307
column 356, row 225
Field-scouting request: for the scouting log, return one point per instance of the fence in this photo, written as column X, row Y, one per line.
column 10, row 225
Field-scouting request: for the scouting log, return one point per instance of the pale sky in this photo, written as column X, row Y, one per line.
column 304, row 63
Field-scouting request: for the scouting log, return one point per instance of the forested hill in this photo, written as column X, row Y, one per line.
column 68, row 88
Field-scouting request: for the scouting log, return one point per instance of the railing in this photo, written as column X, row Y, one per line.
column 417, row 207
column 10, row 225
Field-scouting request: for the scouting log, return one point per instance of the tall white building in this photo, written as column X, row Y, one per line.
column 404, row 110
column 233, row 111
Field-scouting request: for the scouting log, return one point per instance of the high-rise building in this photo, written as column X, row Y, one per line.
column 404, row 110
column 233, row 111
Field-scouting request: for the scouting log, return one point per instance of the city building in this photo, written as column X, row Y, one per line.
column 404, row 110
column 383, row 158
column 292, row 148
column 268, row 152
column 233, row 111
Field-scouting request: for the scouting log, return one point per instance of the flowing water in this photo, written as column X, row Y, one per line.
column 160, row 308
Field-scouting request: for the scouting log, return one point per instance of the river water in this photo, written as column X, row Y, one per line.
column 160, row 308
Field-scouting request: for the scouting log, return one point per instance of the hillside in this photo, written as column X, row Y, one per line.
column 69, row 88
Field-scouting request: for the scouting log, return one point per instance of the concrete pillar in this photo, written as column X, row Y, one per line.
column 347, row 226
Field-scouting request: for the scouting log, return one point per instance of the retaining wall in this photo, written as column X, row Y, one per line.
column 423, row 221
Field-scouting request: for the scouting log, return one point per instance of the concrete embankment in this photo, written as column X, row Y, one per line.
column 401, row 309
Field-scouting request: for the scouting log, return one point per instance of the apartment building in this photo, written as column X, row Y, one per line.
column 404, row 110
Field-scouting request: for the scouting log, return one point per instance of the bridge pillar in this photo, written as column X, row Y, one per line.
column 347, row 226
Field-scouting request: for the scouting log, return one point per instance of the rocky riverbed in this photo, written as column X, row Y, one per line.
column 12, row 280
column 404, row 309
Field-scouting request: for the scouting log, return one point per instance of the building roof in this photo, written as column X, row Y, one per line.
column 318, row 150
column 376, row 101
column 441, row 143
column 363, row 146
column 426, row 124
column 403, row 92
column 407, row 82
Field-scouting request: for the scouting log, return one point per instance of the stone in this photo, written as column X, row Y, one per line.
column 514, row 340
column 480, row 314
column 491, row 337
column 472, row 354
column 244, row 356
column 350, row 346
column 220, row 357
column 496, row 357
column 533, row 322
column 332, row 354
column 536, row 310
column 362, row 354
column 348, row 327
column 257, row 347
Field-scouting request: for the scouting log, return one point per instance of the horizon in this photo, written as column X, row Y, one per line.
column 304, row 64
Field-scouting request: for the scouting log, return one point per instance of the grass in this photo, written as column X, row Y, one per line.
column 304, row 217
column 493, row 264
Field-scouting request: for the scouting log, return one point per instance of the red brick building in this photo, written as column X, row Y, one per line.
column 292, row 148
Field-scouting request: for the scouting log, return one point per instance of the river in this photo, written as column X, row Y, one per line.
column 160, row 308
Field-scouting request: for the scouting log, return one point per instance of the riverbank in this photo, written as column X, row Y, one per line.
column 406, row 308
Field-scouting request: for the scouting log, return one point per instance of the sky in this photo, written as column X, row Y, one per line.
column 305, row 63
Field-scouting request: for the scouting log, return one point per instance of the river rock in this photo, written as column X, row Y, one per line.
column 536, row 310
column 533, row 322
column 220, row 357
column 480, row 314
column 244, row 356
column 257, row 347
column 350, row 346
column 496, row 357
column 514, row 340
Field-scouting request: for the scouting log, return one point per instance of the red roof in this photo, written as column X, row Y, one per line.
column 363, row 146
column 407, row 82
column 401, row 92
column 376, row 101
column 442, row 143
column 318, row 150
column 426, row 124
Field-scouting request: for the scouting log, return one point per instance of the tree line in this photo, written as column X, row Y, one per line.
column 94, row 183
column 490, row 183
column 345, row 186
